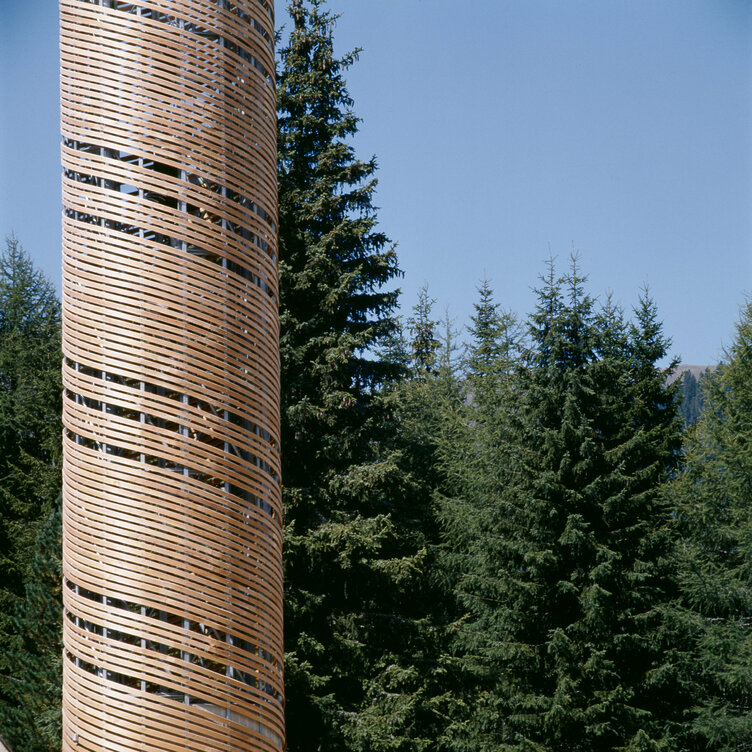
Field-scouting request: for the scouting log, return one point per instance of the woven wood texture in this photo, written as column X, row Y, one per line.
column 172, row 512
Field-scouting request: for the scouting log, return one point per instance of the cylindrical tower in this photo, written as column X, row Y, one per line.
column 172, row 513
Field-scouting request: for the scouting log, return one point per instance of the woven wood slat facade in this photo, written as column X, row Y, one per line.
column 172, row 510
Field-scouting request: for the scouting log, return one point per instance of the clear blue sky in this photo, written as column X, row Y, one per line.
column 505, row 130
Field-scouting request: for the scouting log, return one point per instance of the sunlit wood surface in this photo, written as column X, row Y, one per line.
column 172, row 529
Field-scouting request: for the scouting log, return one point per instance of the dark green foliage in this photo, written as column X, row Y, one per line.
column 350, row 560
column 473, row 461
column 413, row 692
column 30, row 722
column 409, row 688
column 333, row 262
column 560, row 540
column 496, row 341
column 714, row 500
column 424, row 343
column 30, row 423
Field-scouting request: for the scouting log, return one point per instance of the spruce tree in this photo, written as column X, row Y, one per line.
column 347, row 560
column 713, row 498
column 423, row 336
column 473, row 464
column 31, row 720
column 570, row 636
column 30, row 422
column 496, row 342
column 409, row 688
column 333, row 261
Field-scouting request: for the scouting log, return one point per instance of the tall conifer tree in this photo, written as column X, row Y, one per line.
column 570, row 632
column 409, row 686
column 713, row 498
column 31, row 720
column 423, row 336
column 347, row 559
column 473, row 465
column 30, row 422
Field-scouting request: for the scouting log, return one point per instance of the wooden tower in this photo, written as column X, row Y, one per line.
column 172, row 518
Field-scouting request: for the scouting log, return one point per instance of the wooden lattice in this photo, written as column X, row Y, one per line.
column 172, row 529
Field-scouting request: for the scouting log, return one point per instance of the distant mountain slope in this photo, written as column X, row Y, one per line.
column 696, row 371
column 690, row 391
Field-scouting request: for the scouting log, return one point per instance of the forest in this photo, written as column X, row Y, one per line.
column 509, row 539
